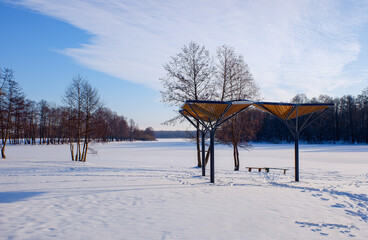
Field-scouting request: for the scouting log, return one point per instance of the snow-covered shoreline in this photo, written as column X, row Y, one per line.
column 150, row 190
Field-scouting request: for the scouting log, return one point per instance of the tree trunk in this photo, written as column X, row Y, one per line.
column 78, row 152
column 208, row 155
column 85, row 149
column 71, row 145
column 3, row 152
column 236, row 157
column 4, row 145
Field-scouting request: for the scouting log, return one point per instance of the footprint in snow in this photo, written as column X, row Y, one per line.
column 318, row 228
column 338, row 205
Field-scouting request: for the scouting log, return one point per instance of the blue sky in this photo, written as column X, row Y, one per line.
column 32, row 44
column 311, row 47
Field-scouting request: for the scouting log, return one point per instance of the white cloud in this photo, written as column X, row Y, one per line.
column 290, row 46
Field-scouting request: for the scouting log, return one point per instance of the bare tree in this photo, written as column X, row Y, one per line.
column 132, row 128
column 238, row 131
column 300, row 98
column 188, row 77
column 10, row 101
column 73, row 101
column 4, row 76
column 235, row 81
column 90, row 104
column 82, row 101
column 233, row 77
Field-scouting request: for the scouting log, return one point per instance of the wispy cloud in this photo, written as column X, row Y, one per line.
column 290, row 46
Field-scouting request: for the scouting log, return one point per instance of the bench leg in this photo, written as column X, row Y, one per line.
column 259, row 169
column 284, row 171
column 250, row 169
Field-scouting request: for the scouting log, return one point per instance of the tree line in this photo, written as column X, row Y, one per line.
column 79, row 120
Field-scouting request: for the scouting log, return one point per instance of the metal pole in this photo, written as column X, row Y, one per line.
column 296, row 147
column 212, row 140
column 203, row 154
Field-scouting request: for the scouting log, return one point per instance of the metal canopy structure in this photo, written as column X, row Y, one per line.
column 210, row 115
column 290, row 114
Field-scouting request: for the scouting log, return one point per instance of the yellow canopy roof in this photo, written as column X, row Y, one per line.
column 210, row 111
column 287, row 111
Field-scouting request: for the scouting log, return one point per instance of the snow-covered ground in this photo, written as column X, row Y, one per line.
column 151, row 190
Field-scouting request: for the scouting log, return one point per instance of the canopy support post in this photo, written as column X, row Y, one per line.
column 296, row 146
column 212, row 143
column 203, row 153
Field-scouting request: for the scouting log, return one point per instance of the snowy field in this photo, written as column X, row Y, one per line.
column 151, row 190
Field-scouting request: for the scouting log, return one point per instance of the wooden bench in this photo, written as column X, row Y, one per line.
column 267, row 169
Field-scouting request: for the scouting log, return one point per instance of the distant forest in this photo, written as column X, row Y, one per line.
column 175, row 134
column 80, row 119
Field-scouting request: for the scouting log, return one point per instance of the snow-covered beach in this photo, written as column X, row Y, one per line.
column 151, row 190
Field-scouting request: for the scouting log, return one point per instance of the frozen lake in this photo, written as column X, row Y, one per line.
column 151, row 190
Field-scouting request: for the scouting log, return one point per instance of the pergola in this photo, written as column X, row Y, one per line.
column 211, row 114
column 290, row 114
